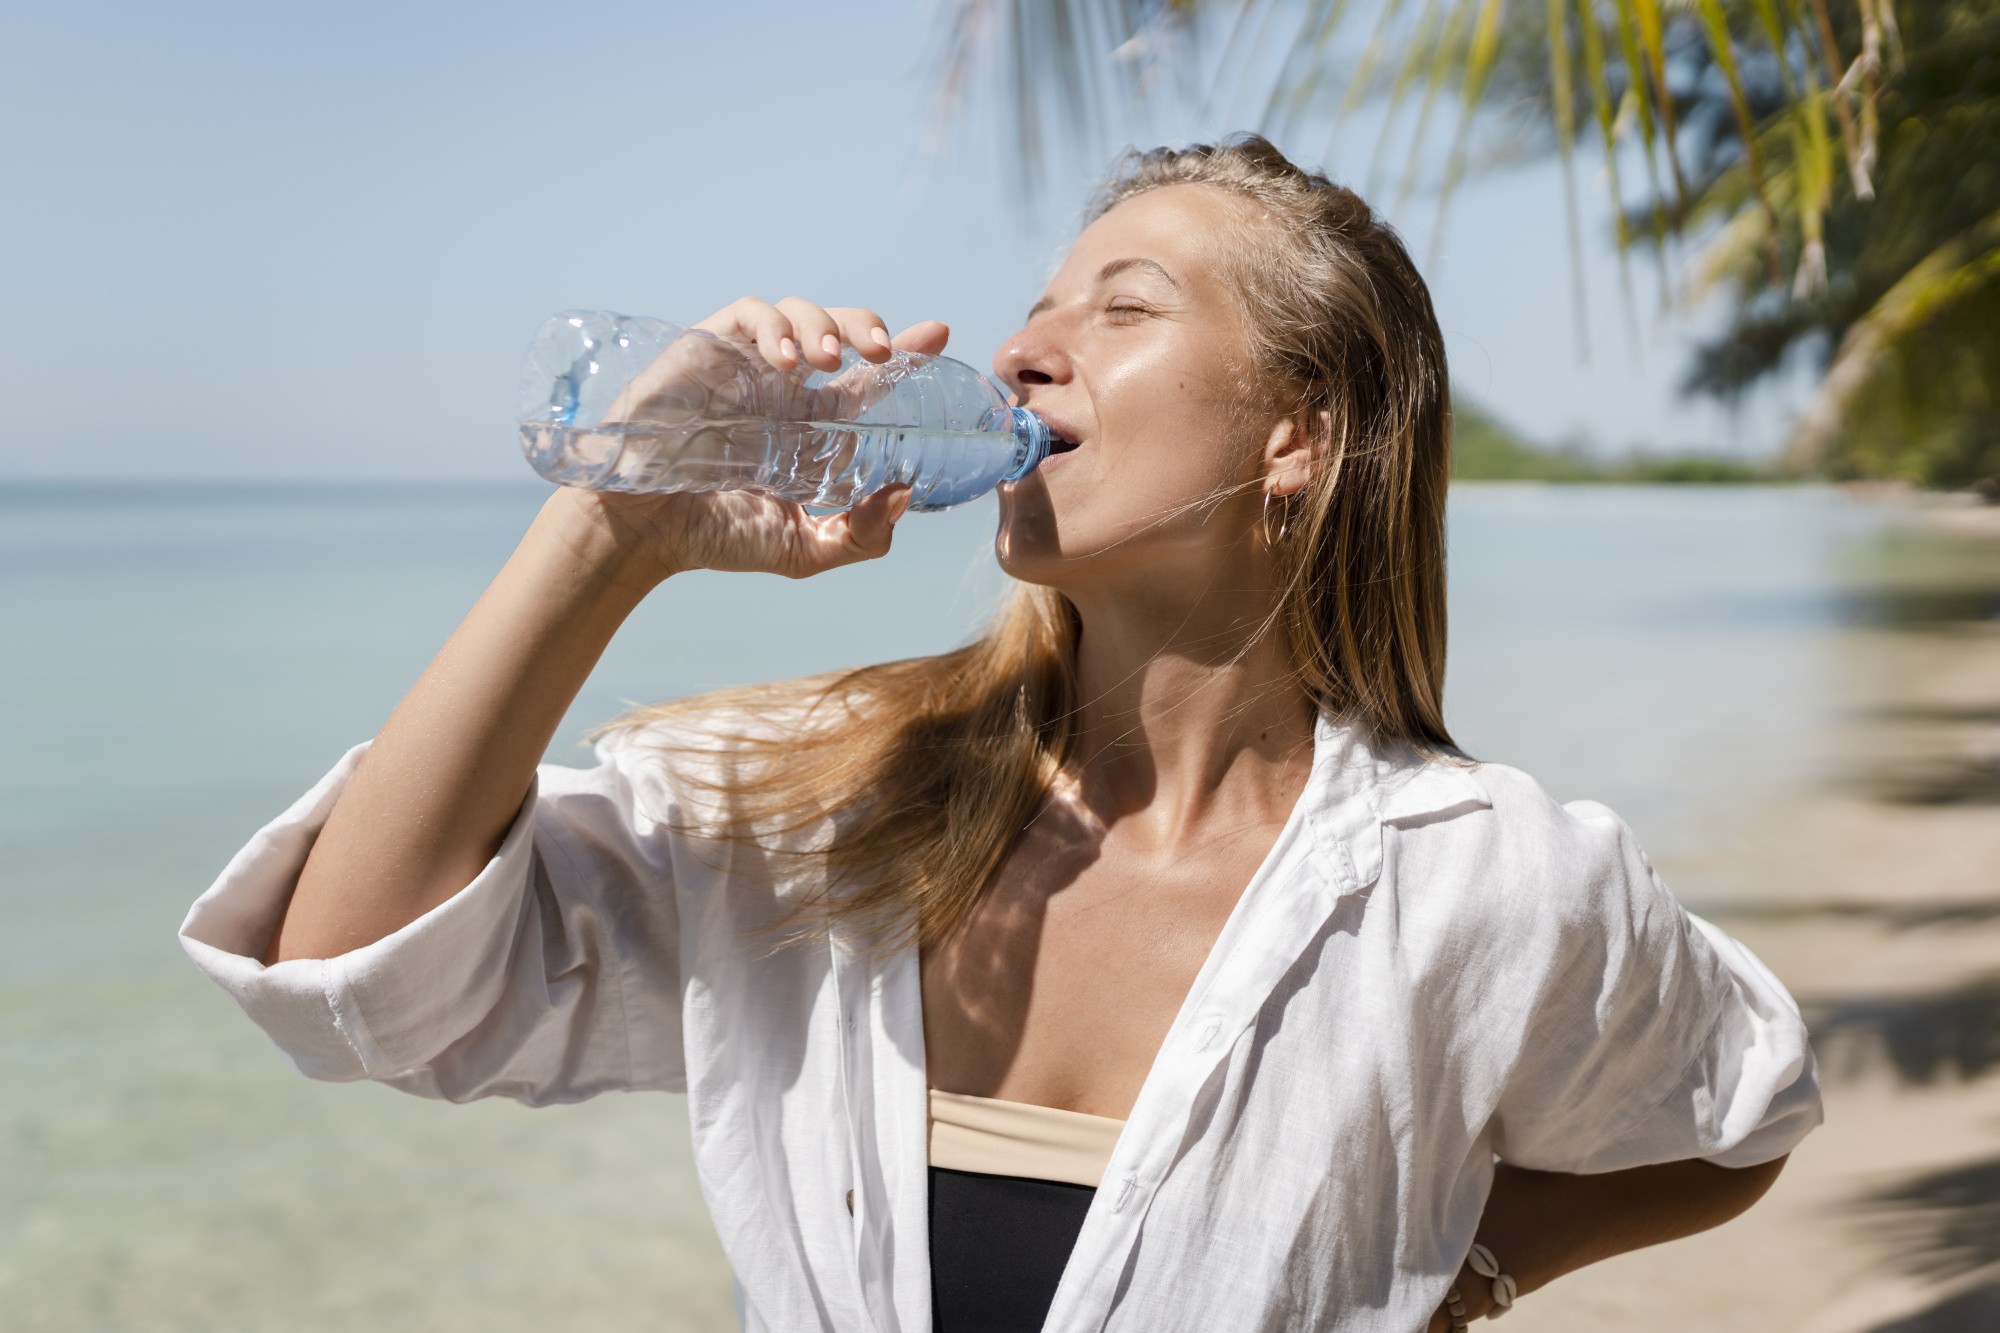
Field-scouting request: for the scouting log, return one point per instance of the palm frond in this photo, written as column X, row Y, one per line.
column 1605, row 113
column 1723, row 46
column 1653, row 44
column 1423, row 38
column 1639, row 79
column 1364, row 69
column 1563, row 101
column 1051, row 61
column 1765, row 128
column 1965, row 269
column 1481, row 48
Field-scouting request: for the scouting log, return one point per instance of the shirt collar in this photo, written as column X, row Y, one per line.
column 1358, row 785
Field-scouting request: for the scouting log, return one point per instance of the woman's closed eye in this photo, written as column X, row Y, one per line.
column 1127, row 309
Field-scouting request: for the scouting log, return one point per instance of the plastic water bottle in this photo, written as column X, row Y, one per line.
column 625, row 403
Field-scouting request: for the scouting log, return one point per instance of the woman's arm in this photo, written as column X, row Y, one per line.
column 447, row 773
column 1543, row 1224
column 436, row 792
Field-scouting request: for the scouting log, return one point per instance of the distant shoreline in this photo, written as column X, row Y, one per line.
column 23, row 487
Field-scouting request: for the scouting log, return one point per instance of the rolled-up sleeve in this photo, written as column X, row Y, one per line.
column 1655, row 1037
column 552, row 976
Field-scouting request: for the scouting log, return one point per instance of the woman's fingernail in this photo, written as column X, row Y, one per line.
column 831, row 344
column 788, row 349
column 880, row 335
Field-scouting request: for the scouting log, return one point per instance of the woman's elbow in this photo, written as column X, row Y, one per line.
column 1738, row 1187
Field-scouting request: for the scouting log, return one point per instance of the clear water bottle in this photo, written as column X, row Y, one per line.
column 625, row 403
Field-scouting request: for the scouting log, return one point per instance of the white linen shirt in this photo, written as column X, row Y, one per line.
column 1436, row 964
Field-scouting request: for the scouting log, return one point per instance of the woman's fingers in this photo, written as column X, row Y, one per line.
column 816, row 330
column 775, row 338
column 862, row 533
column 756, row 321
column 927, row 336
column 796, row 330
column 864, row 330
column 871, row 524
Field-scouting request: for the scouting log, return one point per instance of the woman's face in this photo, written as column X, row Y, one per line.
column 1137, row 356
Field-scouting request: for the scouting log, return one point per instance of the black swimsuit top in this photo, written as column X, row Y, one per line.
column 1010, row 1184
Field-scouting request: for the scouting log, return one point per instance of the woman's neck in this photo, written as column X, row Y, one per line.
column 1190, row 713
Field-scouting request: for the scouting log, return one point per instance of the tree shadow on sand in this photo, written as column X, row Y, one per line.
column 1975, row 1309
column 1890, row 915
column 1979, row 715
column 1944, row 1226
column 1924, row 1037
column 1939, row 782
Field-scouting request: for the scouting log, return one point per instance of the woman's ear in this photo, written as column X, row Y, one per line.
column 1289, row 455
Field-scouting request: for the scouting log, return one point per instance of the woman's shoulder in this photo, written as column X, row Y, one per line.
column 1520, row 802
column 1521, row 845
column 1504, row 800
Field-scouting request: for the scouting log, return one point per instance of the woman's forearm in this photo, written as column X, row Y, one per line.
column 431, row 800
column 1543, row 1224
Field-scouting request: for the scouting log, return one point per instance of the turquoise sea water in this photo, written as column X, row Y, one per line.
column 177, row 664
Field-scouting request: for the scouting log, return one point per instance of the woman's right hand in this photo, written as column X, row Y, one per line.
column 653, row 536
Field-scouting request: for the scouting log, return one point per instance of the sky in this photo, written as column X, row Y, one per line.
column 311, row 241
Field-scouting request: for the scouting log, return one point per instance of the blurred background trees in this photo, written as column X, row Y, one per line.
column 1827, row 170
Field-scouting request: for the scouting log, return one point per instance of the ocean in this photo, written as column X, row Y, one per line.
column 178, row 662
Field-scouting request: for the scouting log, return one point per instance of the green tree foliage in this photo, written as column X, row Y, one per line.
column 1832, row 161
column 1893, row 290
column 1483, row 449
column 1904, row 328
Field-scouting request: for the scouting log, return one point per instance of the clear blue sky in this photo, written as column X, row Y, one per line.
column 296, row 240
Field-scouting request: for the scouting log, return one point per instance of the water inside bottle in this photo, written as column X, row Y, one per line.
column 820, row 464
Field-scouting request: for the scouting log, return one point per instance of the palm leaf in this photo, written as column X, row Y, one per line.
column 1606, row 116
column 1829, row 50
column 1481, row 48
column 1723, row 47
column 1063, row 84
column 1639, row 70
column 1653, row 41
column 1863, row 73
column 1364, row 68
column 1562, row 92
column 1965, row 268
column 1434, row 80
column 1424, row 38
column 1298, row 81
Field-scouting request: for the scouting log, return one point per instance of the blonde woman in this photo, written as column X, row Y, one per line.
column 1155, row 962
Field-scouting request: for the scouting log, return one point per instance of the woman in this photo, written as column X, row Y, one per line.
column 1153, row 963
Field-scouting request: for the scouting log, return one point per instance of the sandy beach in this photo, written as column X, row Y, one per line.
column 1877, row 899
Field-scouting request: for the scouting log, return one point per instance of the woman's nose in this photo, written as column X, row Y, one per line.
column 1029, row 358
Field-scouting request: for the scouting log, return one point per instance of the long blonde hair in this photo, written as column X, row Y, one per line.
column 930, row 768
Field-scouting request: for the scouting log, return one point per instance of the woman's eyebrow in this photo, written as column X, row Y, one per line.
column 1117, row 266
column 1110, row 271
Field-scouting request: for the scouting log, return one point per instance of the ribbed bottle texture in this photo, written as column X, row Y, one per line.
column 627, row 403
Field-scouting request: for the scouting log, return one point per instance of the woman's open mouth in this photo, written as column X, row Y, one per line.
column 1062, row 438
